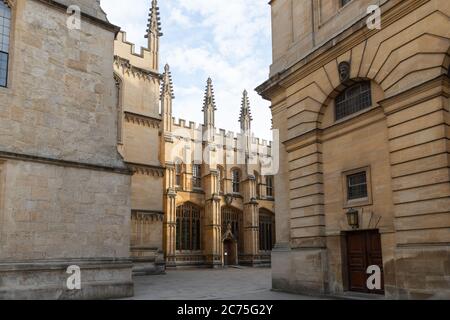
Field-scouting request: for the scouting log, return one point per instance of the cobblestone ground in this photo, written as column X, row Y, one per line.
column 207, row 284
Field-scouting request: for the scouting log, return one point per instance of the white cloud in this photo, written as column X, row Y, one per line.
column 228, row 40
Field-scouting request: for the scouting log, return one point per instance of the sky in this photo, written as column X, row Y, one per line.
column 227, row 40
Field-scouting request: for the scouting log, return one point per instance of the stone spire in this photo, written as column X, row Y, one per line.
column 209, row 105
column 154, row 33
column 167, row 96
column 246, row 114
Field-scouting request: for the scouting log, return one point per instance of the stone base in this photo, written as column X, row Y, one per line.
column 300, row 271
column 420, row 273
column 47, row 280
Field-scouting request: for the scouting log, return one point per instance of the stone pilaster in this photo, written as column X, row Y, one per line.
column 213, row 228
column 251, row 222
column 170, row 218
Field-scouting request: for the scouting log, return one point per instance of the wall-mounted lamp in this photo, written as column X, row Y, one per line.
column 353, row 218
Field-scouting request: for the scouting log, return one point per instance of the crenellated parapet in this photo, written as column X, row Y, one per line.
column 195, row 132
column 126, row 56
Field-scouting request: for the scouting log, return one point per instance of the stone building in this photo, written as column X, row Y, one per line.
column 365, row 153
column 64, row 188
column 185, row 211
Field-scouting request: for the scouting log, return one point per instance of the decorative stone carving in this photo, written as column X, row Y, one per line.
column 344, row 71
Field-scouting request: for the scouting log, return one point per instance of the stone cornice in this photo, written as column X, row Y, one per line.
column 62, row 163
column 128, row 68
column 155, row 171
column 146, row 215
column 142, row 120
column 392, row 11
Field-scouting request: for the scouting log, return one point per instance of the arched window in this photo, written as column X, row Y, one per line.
column 234, row 218
column 269, row 186
column 354, row 99
column 220, row 179
column 5, row 29
column 197, row 176
column 236, row 180
column 188, row 234
column 266, row 230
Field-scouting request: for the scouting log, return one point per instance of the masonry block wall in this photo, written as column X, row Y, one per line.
column 64, row 188
column 401, row 141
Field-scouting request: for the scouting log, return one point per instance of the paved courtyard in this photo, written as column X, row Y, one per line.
column 208, row 284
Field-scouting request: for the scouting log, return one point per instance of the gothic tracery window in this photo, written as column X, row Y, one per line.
column 5, row 30
column 197, row 176
column 188, row 233
column 178, row 173
column 266, row 230
column 236, row 180
column 269, row 186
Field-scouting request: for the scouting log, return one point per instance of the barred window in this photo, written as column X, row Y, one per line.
column 354, row 99
column 5, row 29
column 236, row 181
column 197, row 176
column 357, row 186
column 188, row 233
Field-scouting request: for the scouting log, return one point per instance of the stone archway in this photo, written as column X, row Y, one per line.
column 230, row 248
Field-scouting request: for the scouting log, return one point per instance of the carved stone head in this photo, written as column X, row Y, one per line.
column 344, row 71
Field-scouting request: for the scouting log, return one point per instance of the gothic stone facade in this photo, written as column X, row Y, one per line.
column 367, row 114
column 64, row 189
column 187, row 212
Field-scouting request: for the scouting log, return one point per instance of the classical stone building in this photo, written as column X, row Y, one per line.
column 365, row 153
column 187, row 211
column 64, row 188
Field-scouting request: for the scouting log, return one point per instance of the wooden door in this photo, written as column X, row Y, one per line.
column 363, row 250
column 229, row 253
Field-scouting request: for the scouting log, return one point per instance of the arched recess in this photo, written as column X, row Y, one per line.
column 266, row 230
column 188, row 227
column 118, row 83
column 234, row 218
column 327, row 115
column 179, row 172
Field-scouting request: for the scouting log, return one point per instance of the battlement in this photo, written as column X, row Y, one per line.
column 193, row 130
column 126, row 50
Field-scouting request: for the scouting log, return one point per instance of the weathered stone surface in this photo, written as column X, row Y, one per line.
column 401, row 141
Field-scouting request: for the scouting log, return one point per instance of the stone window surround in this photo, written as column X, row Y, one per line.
column 347, row 204
column 11, row 5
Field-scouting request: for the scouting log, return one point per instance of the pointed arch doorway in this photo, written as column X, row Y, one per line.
column 230, row 248
column 232, row 239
